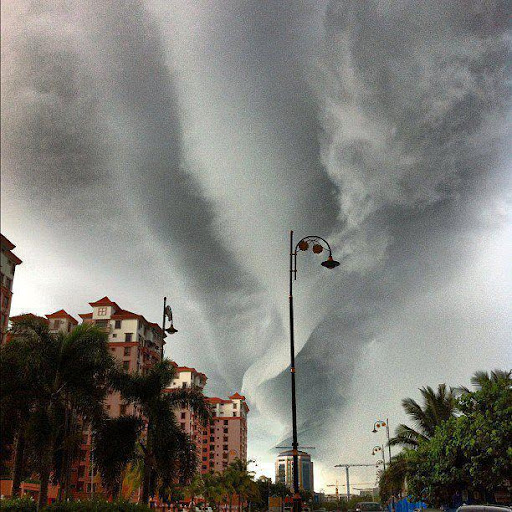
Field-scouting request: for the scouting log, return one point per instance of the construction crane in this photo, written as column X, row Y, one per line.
column 337, row 494
column 347, row 467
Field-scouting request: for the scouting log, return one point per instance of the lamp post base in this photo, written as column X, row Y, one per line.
column 297, row 503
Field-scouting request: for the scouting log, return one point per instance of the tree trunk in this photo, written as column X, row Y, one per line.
column 17, row 469
column 45, row 478
column 146, row 479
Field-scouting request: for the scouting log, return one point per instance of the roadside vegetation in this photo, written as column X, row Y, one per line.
column 458, row 444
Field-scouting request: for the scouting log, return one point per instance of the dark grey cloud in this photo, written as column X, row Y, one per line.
column 160, row 147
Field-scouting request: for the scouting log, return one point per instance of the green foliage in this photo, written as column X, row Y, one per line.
column 438, row 406
column 18, row 505
column 168, row 452
column 392, row 480
column 115, row 447
column 97, row 506
column 471, row 452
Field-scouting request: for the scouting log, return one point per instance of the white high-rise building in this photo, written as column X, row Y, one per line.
column 284, row 470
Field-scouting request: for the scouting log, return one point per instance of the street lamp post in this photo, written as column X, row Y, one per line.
column 379, row 448
column 167, row 315
column 318, row 247
column 383, row 423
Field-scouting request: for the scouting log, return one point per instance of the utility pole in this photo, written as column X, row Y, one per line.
column 347, row 467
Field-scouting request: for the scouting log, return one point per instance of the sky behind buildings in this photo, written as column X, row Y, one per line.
column 155, row 148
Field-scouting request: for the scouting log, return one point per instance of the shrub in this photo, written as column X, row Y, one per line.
column 96, row 506
column 18, row 505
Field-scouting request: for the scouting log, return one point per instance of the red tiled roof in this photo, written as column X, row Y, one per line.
column 85, row 315
column 187, row 369
column 105, row 301
column 237, row 396
column 62, row 314
column 122, row 314
column 6, row 243
column 27, row 315
column 217, row 400
column 8, row 246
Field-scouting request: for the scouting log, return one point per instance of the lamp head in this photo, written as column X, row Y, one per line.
column 374, row 430
column 171, row 330
column 330, row 263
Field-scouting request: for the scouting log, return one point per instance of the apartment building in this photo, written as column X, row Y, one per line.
column 8, row 263
column 225, row 438
column 61, row 321
column 136, row 343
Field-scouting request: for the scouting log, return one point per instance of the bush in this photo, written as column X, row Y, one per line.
column 96, row 506
column 27, row 505
column 18, row 505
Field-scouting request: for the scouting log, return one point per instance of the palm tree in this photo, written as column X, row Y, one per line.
column 241, row 479
column 481, row 378
column 167, row 450
column 114, row 448
column 437, row 407
column 67, row 375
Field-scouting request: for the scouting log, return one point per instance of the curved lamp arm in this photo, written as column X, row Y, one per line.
column 319, row 244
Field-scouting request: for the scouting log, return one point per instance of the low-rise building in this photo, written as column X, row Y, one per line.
column 8, row 263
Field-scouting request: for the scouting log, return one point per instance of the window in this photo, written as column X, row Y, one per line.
column 225, row 439
column 102, row 311
column 118, row 324
column 80, row 486
column 183, row 415
column 205, row 449
column 113, row 350
column 224, row 455
column 212, row 447
column 205, row 459
column 204, row 467
column 225, row 431
column 225, row 422
column 128, row 336
column 225, row 447
column 102, row 323
column 126, row 365
column 127, row 351
column 114, row 335
column 6, row 301
column 234, row 414
column 182, row 426
column 212, row 439
column 183, row 385
column 56, row 324
column 234, row 406
column 122, row 409
column 8, row 283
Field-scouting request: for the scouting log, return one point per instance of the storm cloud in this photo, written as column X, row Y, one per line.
column 167, row 148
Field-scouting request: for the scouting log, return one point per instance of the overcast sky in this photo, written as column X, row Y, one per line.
column 166, row 147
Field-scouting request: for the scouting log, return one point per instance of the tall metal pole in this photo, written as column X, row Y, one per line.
column 163, row 331
column 295, row 443
column 387, row 432
column 348, row 484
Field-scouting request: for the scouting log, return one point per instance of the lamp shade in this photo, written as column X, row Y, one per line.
column 330, row 263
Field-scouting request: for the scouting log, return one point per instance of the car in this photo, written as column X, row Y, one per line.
column 368, row 506
column 484, row 508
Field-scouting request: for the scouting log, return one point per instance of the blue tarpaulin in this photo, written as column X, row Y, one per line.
column 404, row 505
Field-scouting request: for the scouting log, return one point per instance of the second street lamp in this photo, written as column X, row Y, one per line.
column 377, row 449
column 379, row 424
column 171, row 330
column 318, row 246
